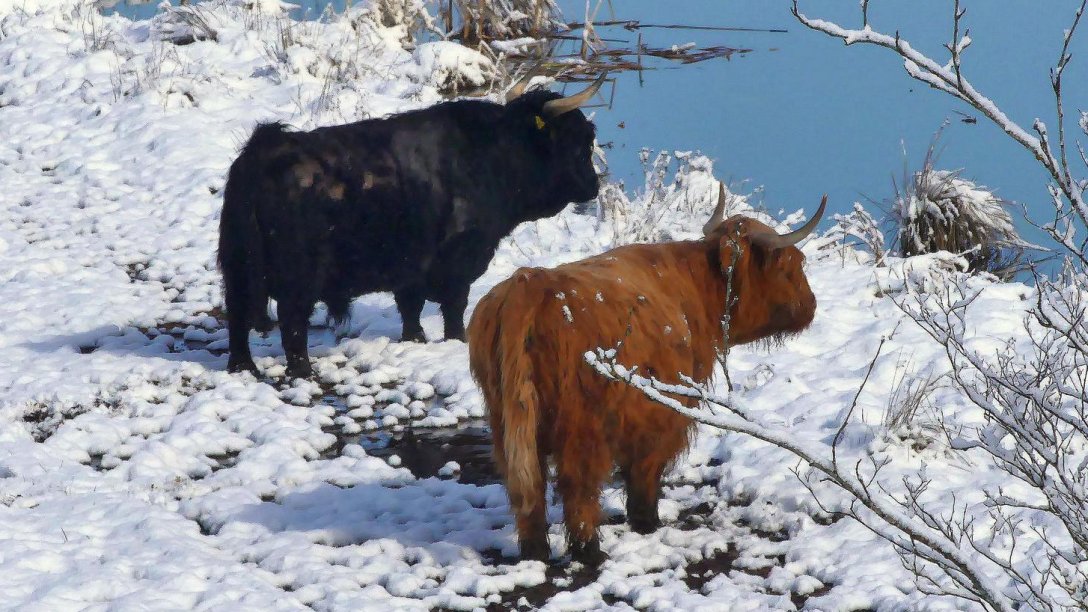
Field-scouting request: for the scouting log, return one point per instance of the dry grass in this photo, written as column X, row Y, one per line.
column 857, row 228
column 910, row 414
column 481, row 21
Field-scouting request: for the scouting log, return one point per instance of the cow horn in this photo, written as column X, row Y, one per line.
column 523, row 83
column 554, row 108
column 718, row 215
column 776, row 241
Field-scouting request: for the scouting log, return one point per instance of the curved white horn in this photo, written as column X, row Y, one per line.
column 718, row 215
column 519, row 88
column 776, row 241
column 554, row 108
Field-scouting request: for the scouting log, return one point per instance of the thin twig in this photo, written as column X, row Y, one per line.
column 853, row 404
column 634, row 24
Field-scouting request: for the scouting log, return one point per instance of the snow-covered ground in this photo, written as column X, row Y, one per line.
column 136, row 474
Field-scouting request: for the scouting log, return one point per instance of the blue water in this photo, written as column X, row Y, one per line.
column 802, row 114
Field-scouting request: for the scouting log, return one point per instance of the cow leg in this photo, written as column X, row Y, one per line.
column 237, row 301
column 453, row 313
column 294, row 325
column 410, row 305
column 643, row 481
column 582, row 467
column 650, row 448
column 240, row 359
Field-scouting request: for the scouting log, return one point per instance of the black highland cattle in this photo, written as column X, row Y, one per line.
column 415, row 204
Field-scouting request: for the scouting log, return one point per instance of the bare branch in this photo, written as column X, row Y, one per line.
column 854, row 403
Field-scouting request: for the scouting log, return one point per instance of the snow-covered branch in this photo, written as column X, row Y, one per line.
column 1036, row 408
column 1034, row 398
column 881, row 513
column 950, row 79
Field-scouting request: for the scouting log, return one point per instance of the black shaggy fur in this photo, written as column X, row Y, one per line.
column 415, row 204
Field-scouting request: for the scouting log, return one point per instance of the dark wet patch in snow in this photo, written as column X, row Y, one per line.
column 463, row 452
column 219, row 462
column 201, row 331
column 774, row 536
column 722, row 562
column 135, row 271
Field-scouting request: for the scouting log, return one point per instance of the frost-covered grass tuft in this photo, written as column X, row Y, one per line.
column 185, row 24
column 911, row 414
column 939, row 210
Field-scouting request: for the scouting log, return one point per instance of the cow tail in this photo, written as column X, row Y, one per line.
column 521, row 408
column 241, row 245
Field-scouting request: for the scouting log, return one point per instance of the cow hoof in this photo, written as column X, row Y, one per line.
column 247, row 365
column 300, row 371
column 414, row 337
column 536, row 550
column 263, row 325
column 644, row 526
column 587, row 553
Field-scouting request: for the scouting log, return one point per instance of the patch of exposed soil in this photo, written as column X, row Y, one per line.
column 704, row 570
column 799, row 600
column 44, row 419
column 560, row 577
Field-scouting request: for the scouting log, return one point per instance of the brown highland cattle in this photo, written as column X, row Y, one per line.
column 665, row 302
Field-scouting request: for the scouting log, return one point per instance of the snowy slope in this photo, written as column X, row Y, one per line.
column 135, row 474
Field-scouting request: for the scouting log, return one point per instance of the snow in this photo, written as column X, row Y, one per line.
column 452, row 67
column 135, row 473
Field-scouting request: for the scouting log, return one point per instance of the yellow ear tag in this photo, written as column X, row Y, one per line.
column 539, row 122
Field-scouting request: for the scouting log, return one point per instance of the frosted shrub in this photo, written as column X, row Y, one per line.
column 939, row 210
column 184, row 24
column 452, row 69
column 665, row 210
column 857, row 228
column 411, row 17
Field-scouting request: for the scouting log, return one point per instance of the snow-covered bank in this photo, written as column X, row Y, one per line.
column 136, row 474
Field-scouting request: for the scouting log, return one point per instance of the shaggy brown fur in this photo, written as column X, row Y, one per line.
column 664, row 304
